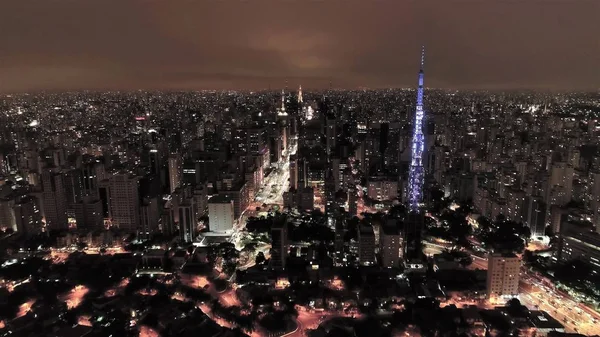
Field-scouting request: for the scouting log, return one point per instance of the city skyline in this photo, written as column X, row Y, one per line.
column 65, row 45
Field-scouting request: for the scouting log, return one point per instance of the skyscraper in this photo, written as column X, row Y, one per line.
column 124, row 201
column 279, row 247
column 503, row 275
column 390, row 245
column 27, row 215
column 175, row 169
column 220, row 214
column 55, row 199
column 366, row 245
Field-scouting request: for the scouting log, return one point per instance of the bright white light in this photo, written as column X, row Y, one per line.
column 34, row 123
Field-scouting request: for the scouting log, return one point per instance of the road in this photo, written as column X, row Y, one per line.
column 479, row 263
column 277, row 182
column 264, row 248
column 228, row 298
column 309, row 320
column 575, row 316
column 74, row 297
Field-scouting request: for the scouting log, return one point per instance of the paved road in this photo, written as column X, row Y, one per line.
column 277, row 181
column 576, row 317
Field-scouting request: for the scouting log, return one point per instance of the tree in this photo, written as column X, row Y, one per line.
column 260, row 258
column 466, row 261
column 229, row 268
column 70, row 317
column 274, row 322
column 484, row 224
column 506, row 235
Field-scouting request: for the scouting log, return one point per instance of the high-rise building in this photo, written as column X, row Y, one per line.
column 595, row 199
column 239, row 193
column 88, row 213
column 560, row 189
column 279, row 246
column 390, row 245
column 302, row 199
column 200, row 200
column 149, row 216
column 124, row 201
column 220, row 214
column 293, row 172
column 28, row 216
column 7, row 213
column 55, row 199
column 340, row 232
column 175, row 171
column 536, row 215
column 382, row 188
column 503, row 275
column 187, row 221
column 331, row 133
column 352, row 200
column 366, row 245
column 580, row 245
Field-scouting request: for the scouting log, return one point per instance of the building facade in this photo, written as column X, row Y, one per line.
column 503, row 275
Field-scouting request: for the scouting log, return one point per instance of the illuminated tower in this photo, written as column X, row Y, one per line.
column 300, row 95
column 415, row 220
column 416, row 174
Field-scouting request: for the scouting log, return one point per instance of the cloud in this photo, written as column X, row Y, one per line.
column 128, row 44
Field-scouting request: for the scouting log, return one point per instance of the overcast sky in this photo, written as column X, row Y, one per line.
column 255, row 44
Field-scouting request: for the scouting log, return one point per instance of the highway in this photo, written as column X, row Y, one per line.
column 575, row 316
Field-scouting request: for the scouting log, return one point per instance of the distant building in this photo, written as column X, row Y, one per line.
column 536, row 215
column 503, row 275
column 340, row 232
column 28, row 217
column 279, row 246
column 366, row 245
column 187, row 221
column 55, row 199
column 175, row 171
column 88, row 213
column 200, row 200
column 220, row 214
column 382, row 188
column 7, row 213
column 149, row 217
column 352, row 201
column 240, row 194
column 303, row 199
column 390, row 245
column 124, row 201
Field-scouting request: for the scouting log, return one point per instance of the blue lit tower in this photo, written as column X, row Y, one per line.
column 415, row 220
column 415, row 180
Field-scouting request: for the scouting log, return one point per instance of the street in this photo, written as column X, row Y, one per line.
column 277, row 181
column 576, row 317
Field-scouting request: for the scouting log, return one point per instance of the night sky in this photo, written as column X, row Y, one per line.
column 257, row 44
